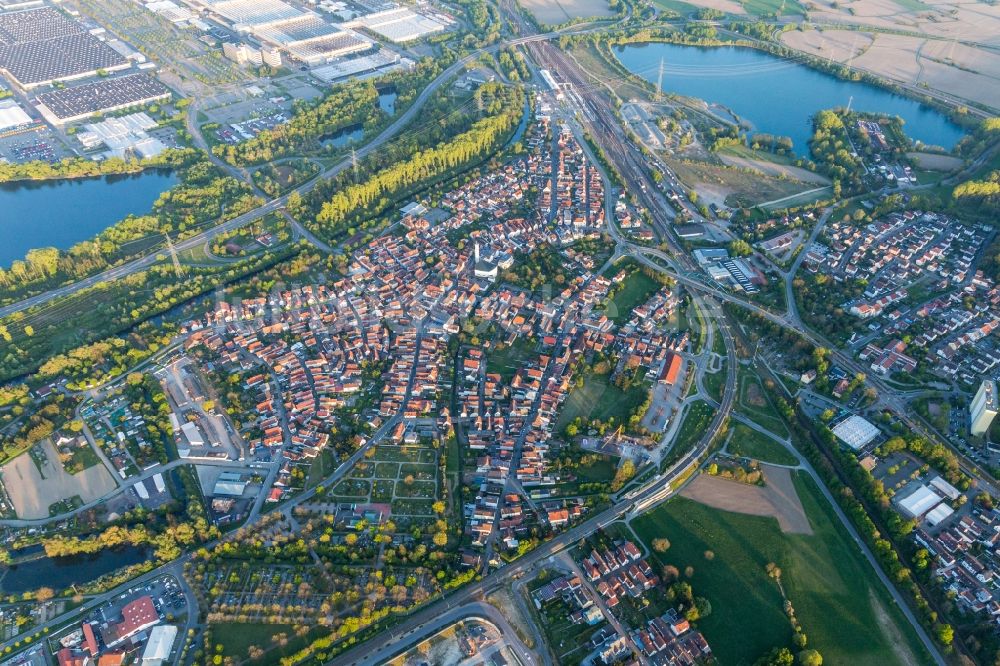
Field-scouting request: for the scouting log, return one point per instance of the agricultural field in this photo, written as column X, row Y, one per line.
column 843, row 608
column 555, row 12
column 960, row 69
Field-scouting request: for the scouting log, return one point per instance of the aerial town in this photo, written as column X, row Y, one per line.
column 529, row 333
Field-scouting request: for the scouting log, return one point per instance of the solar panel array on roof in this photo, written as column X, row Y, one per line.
column 104, row 95
column 38, row 46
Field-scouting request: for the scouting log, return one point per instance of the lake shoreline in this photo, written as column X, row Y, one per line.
column 757, row 85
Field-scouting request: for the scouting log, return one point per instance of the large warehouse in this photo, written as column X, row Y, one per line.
column 401, row 24
column 302, row 34
column 855, row 432
column 40, row 46
column 919, row 502
column 83, row 101
column 12, row 115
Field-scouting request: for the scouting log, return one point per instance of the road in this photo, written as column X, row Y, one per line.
column 647, row 495
column 278, row 204
column 632, row 166
column 402, row 640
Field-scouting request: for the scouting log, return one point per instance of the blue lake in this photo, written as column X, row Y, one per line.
column 65, row 212
column 777, row 96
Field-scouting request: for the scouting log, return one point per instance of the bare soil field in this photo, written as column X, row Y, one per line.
column 778, row 170
column 33, row 491
column 935, row 162
column 554, row 12
column 961, row 70
column 777, row 499
column 965, row 20
column 839, row 45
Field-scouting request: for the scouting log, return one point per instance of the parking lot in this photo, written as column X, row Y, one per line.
column 39, row 143
column 165, row 591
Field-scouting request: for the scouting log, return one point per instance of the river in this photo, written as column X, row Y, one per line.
column 61, row 572
column 62, row 213
column 776, row 96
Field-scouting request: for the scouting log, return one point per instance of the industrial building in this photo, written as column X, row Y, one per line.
column 80, row 102
column 382, row 60
column 855, row 432
column 983, row 408
column 12, row 115
column 41, row 46
column 925, row 502
column 302, row 34
column 400, row 24
column 229, row 484
column 125, row 136
column 161, row 641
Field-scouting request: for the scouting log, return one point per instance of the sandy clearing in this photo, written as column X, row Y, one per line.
column 712, row 193
column 935, row 162
column 778, row 170
column 32, row 495
column 777, row 499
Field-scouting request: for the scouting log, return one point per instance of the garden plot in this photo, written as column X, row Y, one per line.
column 405, row 477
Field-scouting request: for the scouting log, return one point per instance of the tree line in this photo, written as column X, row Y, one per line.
column 205, row 195
column 502, row 108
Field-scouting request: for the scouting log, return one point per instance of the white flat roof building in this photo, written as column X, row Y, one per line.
column 918, row 503
column 855, row 432
column 945, row 488
column 938, row 514
column 12, row 115
column 161, row 641
column 192, row 434
column 401, row 24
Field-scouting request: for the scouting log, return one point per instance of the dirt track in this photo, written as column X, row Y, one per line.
column 777, row 499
